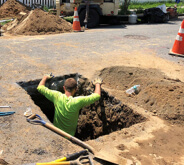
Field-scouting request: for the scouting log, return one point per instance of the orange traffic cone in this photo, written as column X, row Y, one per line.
column 76, row 22
column 178, row 47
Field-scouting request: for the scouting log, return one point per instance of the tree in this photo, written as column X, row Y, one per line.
column 125, row 5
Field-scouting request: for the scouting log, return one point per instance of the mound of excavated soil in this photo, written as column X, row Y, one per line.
column 38, row 22
column 159, row 94
column 12, row 8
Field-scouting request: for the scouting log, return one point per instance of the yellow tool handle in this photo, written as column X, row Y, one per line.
column 55, row 163
column 60, row 160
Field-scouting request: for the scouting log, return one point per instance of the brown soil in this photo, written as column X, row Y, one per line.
column 148, row 142
column 38, row 22
column 105, row 116
column 12, row 8
column 159, row 94
column 158, row 149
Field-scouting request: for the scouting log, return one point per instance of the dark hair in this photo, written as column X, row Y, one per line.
column 70, row 84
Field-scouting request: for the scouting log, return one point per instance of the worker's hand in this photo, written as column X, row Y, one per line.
column 97, row 81
column 48, row 76
column 45, row 78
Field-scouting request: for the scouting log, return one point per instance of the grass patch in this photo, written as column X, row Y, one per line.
column 146, row 5
column 5, row 22
column 45, row 8
column 140, row 7
column 69, row 19
column 180, row 10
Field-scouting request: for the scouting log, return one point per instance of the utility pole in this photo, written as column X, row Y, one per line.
column 58, row 8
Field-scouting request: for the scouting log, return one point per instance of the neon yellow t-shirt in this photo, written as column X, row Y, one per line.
column 67, row 108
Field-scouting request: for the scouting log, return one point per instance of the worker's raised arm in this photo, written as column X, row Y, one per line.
column 98, row 89
column 97, row 82
column 44, row 79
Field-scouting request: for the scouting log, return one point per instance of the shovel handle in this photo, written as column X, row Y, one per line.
column 82, row 144
column 57, row 130
column 71, row 138
column 60, row 132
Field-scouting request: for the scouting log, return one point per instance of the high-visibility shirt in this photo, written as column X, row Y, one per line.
column 67, row 108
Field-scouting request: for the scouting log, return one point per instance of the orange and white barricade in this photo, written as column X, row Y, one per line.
column 76, row 22
column 178, row 47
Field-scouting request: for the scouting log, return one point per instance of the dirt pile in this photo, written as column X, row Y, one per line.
column 38, row 22
column 12, row 8
column 159, row 94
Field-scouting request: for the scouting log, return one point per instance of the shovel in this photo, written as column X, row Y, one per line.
column 36, row 119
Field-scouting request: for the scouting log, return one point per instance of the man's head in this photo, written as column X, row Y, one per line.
column 70, row 85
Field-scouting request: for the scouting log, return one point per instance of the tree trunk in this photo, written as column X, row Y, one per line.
column 125, row 6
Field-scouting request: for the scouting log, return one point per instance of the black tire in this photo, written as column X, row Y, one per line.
column 114, row 21
column 93, row 18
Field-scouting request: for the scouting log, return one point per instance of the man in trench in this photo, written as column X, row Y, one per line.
column 66, row 106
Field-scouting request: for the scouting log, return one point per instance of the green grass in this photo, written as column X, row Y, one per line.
column 145, row 5
column 180, row 10
column 45, row 8
column 69, row 19
column 3, row 23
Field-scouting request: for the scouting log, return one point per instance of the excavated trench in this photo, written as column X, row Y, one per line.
column 101, row 118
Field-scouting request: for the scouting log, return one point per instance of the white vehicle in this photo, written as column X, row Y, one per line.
column 100, row 11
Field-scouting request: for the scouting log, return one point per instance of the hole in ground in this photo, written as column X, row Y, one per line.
column 101, row 118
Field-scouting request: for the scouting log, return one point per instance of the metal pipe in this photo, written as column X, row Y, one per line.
column 5, row 106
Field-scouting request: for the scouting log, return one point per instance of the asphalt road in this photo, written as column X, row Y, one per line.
column 24, row 56
column 92, row 44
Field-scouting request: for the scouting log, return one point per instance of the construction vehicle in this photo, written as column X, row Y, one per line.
column 91, row 12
